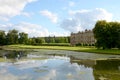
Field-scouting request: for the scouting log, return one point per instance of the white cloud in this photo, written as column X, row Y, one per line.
column 33, row 30
column 84, row 19
column 29, row 64
column 6, row 27
column 50, row 76
column 11, row 8
column 66, row 33
column 64, row 70
column 68, row 71
column 71, row 3
column 26, row 14
column 52, row 16
column 71, row 25
column 6, row 75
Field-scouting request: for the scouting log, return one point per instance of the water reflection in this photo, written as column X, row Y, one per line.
column 59, row 67
column 107, row 70
column 13, row 54
column 102, row 69
column 64, row 72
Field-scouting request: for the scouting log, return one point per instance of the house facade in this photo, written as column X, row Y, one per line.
column 86, row 37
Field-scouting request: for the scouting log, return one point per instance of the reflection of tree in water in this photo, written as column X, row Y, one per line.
column 14, row 54
column 108, row 69
column 102, row 69
column 107, row 65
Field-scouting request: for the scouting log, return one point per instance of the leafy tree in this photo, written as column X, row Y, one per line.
column 2, row 37
column 37, row 41
column 32, row 41
column 99, row 33
column 42, row 40
column 66, row 39
column 52, row 39
column 57, row 39
column 107, row 34
column 23, row 38
column 12, row 37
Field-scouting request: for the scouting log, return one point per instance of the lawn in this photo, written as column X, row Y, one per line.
column 80, row 49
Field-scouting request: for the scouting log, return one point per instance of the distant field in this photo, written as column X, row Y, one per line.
column 80, row 49
column 55, row 44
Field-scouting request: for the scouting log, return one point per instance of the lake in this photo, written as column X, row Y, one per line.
column 58, row 65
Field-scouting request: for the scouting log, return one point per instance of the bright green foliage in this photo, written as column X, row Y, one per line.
column 12, row 37
column 23, row 38
column 38, row 40
column 57, row 39
column 107, row 34
column 51, row 39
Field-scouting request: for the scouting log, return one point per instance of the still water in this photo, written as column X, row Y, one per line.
column 58, row 65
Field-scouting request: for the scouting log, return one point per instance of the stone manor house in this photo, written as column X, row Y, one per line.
column 86, row 37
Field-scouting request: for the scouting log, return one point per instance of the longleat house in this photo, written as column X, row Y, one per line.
column 86, row 37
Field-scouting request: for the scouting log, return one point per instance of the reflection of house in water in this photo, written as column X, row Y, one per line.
column 86, row 37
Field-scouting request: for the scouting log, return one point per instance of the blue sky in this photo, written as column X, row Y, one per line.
column 55, row 17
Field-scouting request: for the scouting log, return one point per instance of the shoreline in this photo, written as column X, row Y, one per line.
column 68, row 48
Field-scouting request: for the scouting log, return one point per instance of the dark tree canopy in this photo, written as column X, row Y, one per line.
column 23, row 38
column 2, row 37
column 14, row 37
column 107, row 34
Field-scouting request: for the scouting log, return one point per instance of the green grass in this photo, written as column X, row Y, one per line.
column 79, row 49
column 2, row 59
column 55, row 44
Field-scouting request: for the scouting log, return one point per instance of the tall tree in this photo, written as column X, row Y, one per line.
column 107, row 34
column 99, row 30
column 2, row 37
column 23, row 38
column 12, row 37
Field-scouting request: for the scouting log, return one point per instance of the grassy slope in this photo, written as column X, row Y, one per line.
column 80, row 49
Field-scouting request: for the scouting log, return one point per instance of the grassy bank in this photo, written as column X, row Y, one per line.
column 80, row 49
column 2, row 59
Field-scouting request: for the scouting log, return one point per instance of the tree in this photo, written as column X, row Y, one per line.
column 115, row 34
column 99, row 33
column 66, row 39
column 2, row 37
column 42, row 40
column 36, row 41
column 39, row 40
column 23, row 38
column 107, row 34
column 52, row 39
column 12, row 37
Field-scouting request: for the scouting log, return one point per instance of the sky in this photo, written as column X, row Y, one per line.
column 39, row 18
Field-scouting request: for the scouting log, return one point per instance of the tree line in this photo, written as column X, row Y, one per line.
column 107, row 34
column 14, row 37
